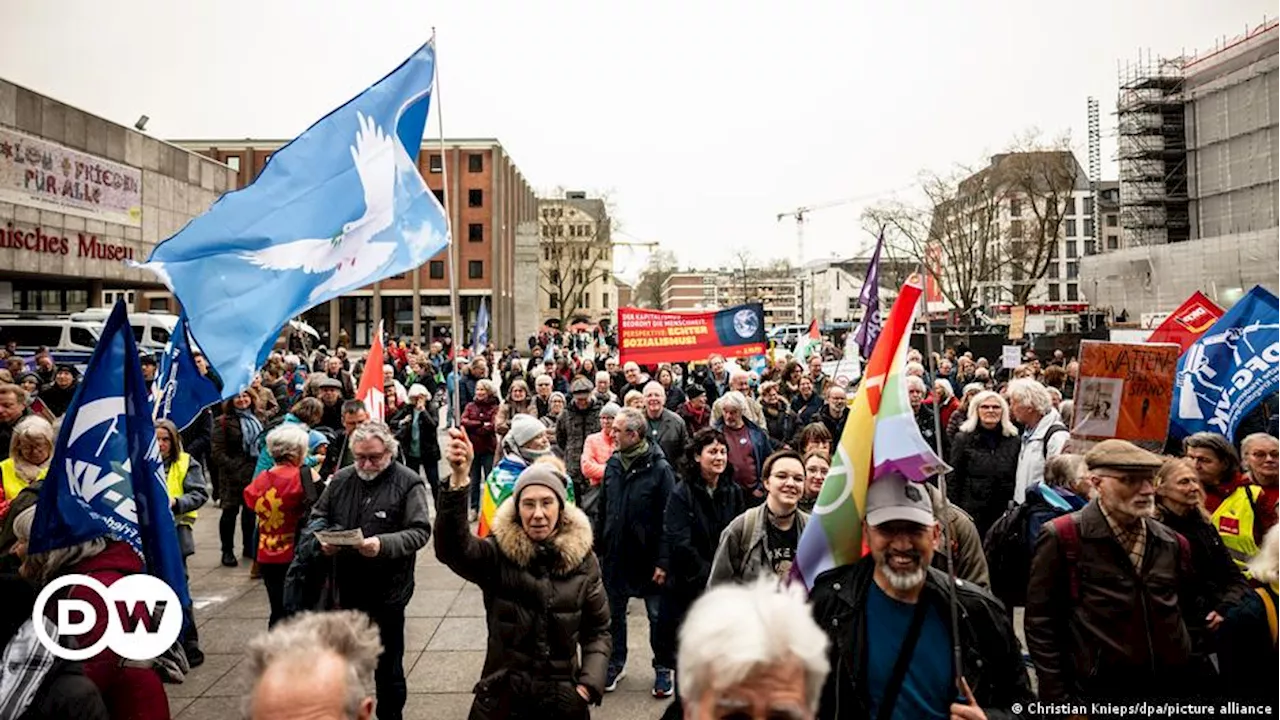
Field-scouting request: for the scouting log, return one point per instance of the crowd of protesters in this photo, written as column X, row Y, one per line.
column 1145, row 573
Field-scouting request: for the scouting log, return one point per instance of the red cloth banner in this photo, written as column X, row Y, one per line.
column 1186, row 324
column 653, row 336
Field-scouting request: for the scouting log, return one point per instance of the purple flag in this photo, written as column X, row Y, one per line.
column 869, row 327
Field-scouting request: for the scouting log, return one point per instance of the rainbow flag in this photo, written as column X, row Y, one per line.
column 880, row 438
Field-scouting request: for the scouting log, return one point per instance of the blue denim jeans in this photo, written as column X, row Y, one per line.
column 618, row 626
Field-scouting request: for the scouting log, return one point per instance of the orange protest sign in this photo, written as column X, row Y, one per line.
column 1124, row 391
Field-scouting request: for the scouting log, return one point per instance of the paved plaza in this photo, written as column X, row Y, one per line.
column 445, row 638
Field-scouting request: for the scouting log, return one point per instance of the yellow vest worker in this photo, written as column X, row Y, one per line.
column 13, row 484
column 173, row 483
column 1234, row 520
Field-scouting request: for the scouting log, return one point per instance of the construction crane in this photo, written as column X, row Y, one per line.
column 801, row 216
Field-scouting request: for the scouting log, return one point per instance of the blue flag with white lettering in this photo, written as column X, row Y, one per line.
column 106, row 477
column 1229, row 369
column 340, row 207
column 181, row 391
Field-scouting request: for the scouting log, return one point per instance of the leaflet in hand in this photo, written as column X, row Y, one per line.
column 352, row 538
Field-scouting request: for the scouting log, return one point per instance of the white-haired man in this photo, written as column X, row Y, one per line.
column 666, row 429
column 890, row 628
column 388, row 503
column 751, row 651
column 314, row 665
column 1043, row 435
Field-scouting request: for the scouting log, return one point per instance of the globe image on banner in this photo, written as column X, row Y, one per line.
column 745, row 323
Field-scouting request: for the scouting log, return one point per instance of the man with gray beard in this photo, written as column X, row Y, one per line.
column 888, row 617
column 387, row 502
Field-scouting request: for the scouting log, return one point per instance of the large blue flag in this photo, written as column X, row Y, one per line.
column 1230, row 369
column 181, row 391
column 338, row 208
column 106, row 476
column 480, row 334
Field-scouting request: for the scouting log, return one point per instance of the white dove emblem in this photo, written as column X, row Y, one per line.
column 350, row 254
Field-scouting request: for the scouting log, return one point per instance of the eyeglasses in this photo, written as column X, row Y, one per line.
column 361, row 458
column 1265, row 454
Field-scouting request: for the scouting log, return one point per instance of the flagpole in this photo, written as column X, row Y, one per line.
column 454, row 329
column 956, row 658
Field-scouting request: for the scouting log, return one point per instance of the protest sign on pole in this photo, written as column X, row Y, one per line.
column 653, row 336
column 1017, row 322
column 1125, row 391
column 1010, row 356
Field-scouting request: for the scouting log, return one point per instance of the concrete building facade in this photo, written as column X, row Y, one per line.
column 575, row 262
column 776, row 287
column 487, row 199
column 80, row 195
column 1227, row 243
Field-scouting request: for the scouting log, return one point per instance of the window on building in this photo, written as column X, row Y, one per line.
column 1073, row 292
column 475, row 232
column 1113, row 242
column 604, row 300
column 555, row 301
column 160, row 305
column 435, row 163
column 1072, row 251
column 1071, row 228
column 584, row 300
column 435, row 270
column 1088, row 206
column 555, row 276
column 1015, row 229
column 1054, row 251
column 1073, row 270
column 475, row 163
column 1015, row 207
column 233, row 162
column 1055, row 293
column 475, row 269
column 475, row 198
column 1113, row 220
column 439, row 196
column 1069, row 206
column 1088, row 227
column 1052, row 272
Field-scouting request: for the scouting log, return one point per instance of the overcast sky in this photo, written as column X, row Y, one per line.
column 701, row 124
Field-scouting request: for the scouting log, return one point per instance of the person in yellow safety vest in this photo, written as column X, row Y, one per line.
column 30, row 450
column 1249, row 511
column 184, row 479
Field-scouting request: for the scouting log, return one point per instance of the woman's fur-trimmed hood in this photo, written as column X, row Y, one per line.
column 571, row 542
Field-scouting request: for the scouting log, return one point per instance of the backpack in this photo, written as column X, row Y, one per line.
column 1052, row 430
column 1009, row 546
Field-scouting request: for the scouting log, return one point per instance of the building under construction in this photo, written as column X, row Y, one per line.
column 1198, row 178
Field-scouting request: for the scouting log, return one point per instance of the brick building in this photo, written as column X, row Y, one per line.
column 487, row 198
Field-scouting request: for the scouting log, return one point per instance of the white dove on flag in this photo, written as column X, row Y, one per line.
column 351, row 254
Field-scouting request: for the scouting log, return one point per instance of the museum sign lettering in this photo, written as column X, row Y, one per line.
column 84, row 245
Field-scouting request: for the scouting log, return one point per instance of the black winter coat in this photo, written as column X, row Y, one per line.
column 392, row 506
column 985, row 466
column 233, row 467
column 694, row 519
column 1220, row 583
column 632, row 506
column 428, row 422
column 992, row 659
column 780, row 422
column 806, row 410
column 542, row 603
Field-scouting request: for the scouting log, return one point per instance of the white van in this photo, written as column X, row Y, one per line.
column 69, row 341
column 150, row 330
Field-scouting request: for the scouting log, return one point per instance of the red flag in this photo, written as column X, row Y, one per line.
column 813, row 330
column 370, row 390
column 1186, row 324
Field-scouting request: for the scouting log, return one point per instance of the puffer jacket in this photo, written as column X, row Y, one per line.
column 572, row 428
column 392, row 506
column 1125, row 635
column 985, row 467
column 543, row 602
column 631, row 508
column 992, row 660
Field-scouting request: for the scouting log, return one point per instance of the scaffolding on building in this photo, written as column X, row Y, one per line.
column 1151, row 126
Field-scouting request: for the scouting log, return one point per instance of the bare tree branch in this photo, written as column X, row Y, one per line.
column 577, row 250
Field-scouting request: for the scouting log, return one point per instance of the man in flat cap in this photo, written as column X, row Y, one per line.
column 1110, row 592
